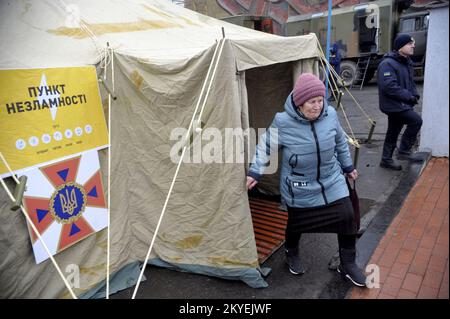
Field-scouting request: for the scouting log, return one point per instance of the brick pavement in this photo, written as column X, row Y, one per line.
column 413, row 254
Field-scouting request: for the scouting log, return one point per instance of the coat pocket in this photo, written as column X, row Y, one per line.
column 303, row 165
column 301, row 188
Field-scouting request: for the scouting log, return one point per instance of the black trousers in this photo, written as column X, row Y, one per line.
column 336, row 217
column 396, row 121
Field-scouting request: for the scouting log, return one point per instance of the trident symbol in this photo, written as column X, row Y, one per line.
column 68, row 204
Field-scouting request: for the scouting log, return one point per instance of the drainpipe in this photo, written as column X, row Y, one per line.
column 328, row 46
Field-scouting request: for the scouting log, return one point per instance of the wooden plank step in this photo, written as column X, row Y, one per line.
column 269, row 224
column 268, row 239
column 270, row 219
column 280, row 231
column 268, row 233
column 268, row 213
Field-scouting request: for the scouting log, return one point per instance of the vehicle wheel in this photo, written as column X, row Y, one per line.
column 348, row 72
column 322, row 75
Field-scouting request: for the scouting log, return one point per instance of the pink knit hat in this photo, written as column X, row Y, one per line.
column 307, row 87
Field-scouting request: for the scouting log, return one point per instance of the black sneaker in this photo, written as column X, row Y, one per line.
column 293, row 262
column 352, row 273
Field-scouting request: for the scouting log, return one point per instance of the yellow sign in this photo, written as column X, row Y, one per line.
column 46, row 114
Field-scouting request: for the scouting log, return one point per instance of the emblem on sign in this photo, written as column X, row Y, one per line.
column 68, row 202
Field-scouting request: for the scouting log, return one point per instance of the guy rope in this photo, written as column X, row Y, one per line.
column 333, row 83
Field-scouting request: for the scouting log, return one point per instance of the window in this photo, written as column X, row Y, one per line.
column 418, row 24
column 407, row 25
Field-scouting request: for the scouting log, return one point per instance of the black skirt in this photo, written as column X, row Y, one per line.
column 336, row 217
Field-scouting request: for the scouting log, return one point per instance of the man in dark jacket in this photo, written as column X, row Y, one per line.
column 335, row 58
column 335, row 61
column 398, row 95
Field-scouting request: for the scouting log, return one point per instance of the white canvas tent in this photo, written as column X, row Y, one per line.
column 162, row 53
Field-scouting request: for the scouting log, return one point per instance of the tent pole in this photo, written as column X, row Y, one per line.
column 221, row 44
column 328, row 46
column 108, row 240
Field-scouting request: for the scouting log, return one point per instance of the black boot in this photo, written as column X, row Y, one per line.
column 361, row 232
column 409, row 156
column 405, row 152
column 348, row 268
column 293, row 261
column 386, row 159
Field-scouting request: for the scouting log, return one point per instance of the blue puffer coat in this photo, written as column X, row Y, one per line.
column 314, row 156
column 396, row 86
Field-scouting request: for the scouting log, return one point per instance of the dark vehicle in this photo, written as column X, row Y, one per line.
column 365, row 32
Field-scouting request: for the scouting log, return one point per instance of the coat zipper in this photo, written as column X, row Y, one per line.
column 313, row 129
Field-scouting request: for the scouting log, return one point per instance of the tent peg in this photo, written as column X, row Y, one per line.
column 18, row 192
column 372, row 128
column 340, row 94
column 356, row 157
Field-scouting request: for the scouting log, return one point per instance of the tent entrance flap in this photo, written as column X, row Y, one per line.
column 267, row 89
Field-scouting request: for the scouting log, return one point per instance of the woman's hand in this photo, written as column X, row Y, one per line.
column 251, row 182
column 353, row 175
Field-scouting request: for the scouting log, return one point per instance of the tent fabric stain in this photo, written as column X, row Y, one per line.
column 104, row 28
column 190, row 242
column 137, row 79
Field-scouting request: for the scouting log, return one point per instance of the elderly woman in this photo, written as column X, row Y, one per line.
column 315, row 157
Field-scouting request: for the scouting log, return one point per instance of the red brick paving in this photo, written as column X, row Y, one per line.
column 413, row 254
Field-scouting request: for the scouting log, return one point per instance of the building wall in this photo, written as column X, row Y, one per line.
column 278, row 10
column 434, row 135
